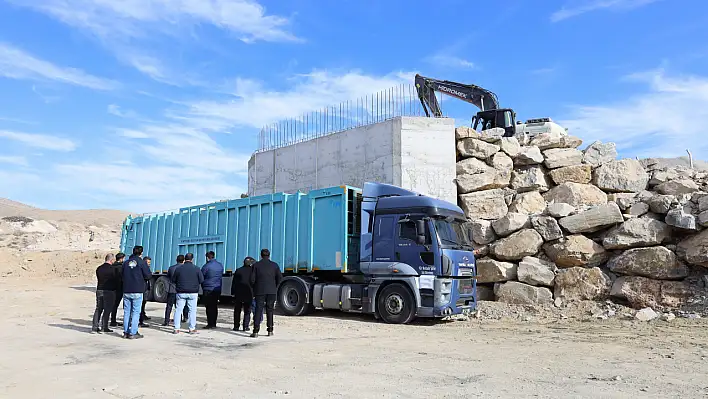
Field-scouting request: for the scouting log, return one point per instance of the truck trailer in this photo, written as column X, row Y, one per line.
column 383, row 250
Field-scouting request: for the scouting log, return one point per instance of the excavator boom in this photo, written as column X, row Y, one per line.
column 426, row 87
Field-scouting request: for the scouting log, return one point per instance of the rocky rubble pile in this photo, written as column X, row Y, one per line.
column 554, row 223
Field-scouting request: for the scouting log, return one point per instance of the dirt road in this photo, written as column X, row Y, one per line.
column 47, row 351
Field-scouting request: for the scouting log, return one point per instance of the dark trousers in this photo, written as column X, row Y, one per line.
column 267, row 302
column 171, row 302
column 104, row 304
column 211, row 302
column 116, row 303
column 142, row 310
column 246, row 306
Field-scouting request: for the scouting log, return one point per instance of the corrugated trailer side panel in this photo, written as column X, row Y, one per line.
column 304, row 232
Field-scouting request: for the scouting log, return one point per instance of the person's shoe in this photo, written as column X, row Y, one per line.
column 146, row 317
column 254, row 335
column 113, row 324
column 246, row 329
column 143, row 325
column 137, row 336
column 270, row 333
column 193, row 331
column 208, row 327
column 175, row 332
column 95, row 331
column 107, row 330
column 127, row 336
column 235, row 329
column 165, row 324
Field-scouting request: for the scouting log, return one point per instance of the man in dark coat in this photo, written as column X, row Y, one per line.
column 243, row 293
column 135, row 273
column 266, row 278
column 118, row 265
column 187, row 277
column 107, row 277
column 213, row 271
column 143, row 315
column 172, row 292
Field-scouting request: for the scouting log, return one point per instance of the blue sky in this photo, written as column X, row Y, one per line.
column 147, row 105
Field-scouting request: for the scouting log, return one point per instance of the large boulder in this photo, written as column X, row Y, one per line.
column 598, row 153
column 487, row 204
column 681, row 220
column 654, row 262
column 694, row 250
column 522, row 294
column 576, row 250
column 510, row 146
column 526, row 242
column 482, row 231
column 530, row 203
column 547, row 227
column 660, row 203
column 535, row 271
column 528, row 156
column 494, row 271
column 488, row 180
column 677, row 187
column 502, row 163
column 579, row 283
column 464, row 132
column 575, row 174
column 625, row 175
column 546, row 141
column 559, row 209
column 562, row 157
column 660, row 176
column 510, row 223
column 485, row 292
column 703, row 203
column 703, row 218
column 471, row 166
column 576, row 194
column 623, row 200
column 529, row 178
column 593, row 219
column 638, row 209
column 642, row 292
column 476, row 148
column 637, row 232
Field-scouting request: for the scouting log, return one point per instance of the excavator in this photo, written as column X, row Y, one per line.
column 490, row 115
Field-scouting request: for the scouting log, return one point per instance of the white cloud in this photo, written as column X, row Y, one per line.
column 116, row 110
column 663, row 121
column 450, row 61
column 140, row 18
column 17, row 64
column 13, row 160
column 575, row 8
column 43, row 141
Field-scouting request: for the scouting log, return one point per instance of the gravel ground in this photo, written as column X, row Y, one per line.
column 48, row 352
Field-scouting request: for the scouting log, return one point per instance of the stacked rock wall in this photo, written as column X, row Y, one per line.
column 554, row 223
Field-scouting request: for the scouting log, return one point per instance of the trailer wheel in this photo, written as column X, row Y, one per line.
column 395, row 304
column 293, row 299
column 159, row 289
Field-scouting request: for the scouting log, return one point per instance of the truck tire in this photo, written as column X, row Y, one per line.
column 293, row 299
column 395, row 304
column 159, row 289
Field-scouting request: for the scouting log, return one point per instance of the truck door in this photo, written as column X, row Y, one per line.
column 383, row 238
column 409, row 251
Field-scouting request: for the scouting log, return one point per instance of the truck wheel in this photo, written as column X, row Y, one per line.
column 159, row 289
column 292, row 299
column 395, row 304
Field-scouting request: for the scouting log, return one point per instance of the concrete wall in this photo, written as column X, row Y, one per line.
column 416, row 153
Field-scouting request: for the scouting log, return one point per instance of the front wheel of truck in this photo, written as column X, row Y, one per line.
column 293, row 299
column 395, row 304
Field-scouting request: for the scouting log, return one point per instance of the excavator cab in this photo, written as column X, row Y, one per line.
column 504, row 118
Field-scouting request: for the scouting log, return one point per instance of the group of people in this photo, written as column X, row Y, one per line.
column 254, row 288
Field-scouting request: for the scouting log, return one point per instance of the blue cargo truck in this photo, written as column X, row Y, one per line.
column 382, row 250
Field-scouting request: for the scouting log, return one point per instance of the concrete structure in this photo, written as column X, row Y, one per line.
column 416, row 153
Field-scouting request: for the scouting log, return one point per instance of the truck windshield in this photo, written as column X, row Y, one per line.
column 452, row 234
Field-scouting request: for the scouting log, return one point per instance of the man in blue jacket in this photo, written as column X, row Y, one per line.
column 135, row 272
column 211, row 287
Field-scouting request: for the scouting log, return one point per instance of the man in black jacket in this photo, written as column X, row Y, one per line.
column 118, row 265
column 107, row 277
column 135, row 273
column 243, row 293
column 265, row 279
column 144, row 316
column 172, row 292
column 187, row 278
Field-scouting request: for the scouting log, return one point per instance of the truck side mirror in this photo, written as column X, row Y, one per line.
column 420, row 231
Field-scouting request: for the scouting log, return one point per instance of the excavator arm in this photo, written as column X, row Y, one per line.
column 426, row 87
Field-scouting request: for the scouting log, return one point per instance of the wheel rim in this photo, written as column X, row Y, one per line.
column 394, row 304
column 159, row 290
column 290, row 297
